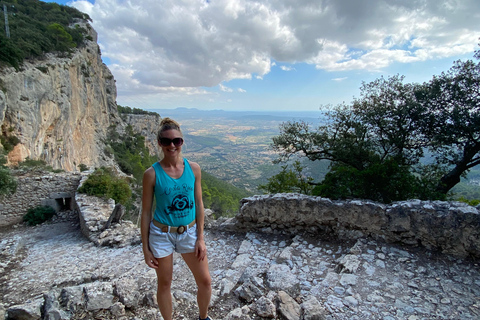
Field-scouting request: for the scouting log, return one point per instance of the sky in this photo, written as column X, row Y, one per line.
column 275, row 55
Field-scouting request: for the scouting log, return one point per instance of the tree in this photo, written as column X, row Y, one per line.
column 452, row 123
column 374, row 144
column 10, row 53
column 377, row 144
column 289, row 180
column 35, row 26
column 63, row 40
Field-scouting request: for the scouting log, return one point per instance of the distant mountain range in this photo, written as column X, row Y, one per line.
column 313, row 117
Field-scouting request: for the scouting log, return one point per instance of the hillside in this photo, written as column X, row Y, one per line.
column 57, row 97
column 36, row 28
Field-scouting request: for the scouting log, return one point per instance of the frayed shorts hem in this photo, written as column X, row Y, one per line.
column 163, row 244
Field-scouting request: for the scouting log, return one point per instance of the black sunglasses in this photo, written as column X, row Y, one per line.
column 177, row 142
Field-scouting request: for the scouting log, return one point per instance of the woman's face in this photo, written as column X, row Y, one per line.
column 171, row 142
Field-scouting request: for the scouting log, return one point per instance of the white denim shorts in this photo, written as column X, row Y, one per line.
column 163, row 244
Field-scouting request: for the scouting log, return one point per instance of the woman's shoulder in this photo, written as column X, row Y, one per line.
column 149, row 173
column 195, row 166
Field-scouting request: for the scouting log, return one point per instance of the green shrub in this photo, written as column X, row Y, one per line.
column 130, row 152
column 104, row 183
column 9, row 142
column 36, row 165
column 31, row 163
column 470, row 202
column 8, row 184
column 38, row 215
column 83, row 167
column 43, row 69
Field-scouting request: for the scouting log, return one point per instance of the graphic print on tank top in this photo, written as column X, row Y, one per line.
column 175, row 197
column 181, row 204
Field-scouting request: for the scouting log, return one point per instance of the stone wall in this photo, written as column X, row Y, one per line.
column 451, row 227
column 54, row 189
column 95, row 215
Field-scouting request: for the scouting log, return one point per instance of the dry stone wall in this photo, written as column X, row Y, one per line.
column 95, row 222
column 54, row 189
column 451, row 227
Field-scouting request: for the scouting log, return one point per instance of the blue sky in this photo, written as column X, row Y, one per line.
column 270, row 54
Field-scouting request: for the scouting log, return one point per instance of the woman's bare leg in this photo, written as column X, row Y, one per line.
column 164, row 278
column 203, row 280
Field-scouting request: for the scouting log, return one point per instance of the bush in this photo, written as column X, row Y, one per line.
column 83, row 167
column 38, row 215
column 104, row 183
column 36, row 165
column 470, row 202
column 8, row 184
column 9, row 142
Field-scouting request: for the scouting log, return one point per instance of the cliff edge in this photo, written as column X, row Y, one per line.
column 60, row 107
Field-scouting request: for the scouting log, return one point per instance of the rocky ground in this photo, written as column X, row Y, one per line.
column 363, row 279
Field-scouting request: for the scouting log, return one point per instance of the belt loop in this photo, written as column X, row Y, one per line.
column 168, row 229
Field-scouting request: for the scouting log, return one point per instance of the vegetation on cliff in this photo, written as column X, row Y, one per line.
column 128, row 110
column 398, row 140
column 8, row 184
column 129, row 151
column 220, row 196
column 35, row 28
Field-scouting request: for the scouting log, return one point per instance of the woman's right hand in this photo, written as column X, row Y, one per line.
column 150, row 260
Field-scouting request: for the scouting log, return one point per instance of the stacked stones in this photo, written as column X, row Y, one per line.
column 96, row 215
column 452, row 227
column 32, row 191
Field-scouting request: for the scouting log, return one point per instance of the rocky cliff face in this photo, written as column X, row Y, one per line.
column 60, row 108
column 147, row 126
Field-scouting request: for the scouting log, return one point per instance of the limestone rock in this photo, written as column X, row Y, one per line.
column 54, row 112
column 265, row 308
column 348, row 264
column 27, row 311
column 127, row 292
column 311, row 309
column 117, row 309
column 98, row 296
column 248, row 292
column 279, row 276
column 239, row 314
column 287, row 307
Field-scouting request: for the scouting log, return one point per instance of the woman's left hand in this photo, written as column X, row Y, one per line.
column 200, row 249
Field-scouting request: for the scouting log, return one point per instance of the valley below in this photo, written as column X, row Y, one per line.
column 237, row 146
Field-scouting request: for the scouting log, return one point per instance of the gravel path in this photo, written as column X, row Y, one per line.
column 379, row 281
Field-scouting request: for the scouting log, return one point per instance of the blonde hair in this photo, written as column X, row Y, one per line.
column 165, row 125
column 168, row 124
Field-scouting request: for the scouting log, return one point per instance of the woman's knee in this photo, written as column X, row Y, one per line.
column 164, row 284
column 205, row 281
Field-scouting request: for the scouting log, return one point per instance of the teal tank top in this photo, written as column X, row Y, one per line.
column 175, row 198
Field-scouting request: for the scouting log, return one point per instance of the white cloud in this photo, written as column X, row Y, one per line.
column 241, row 90
column 287, row 68
column 339, row 79
column 162, row 46
column 224, row 88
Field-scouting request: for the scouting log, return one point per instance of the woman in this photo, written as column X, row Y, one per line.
column 178, row 219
